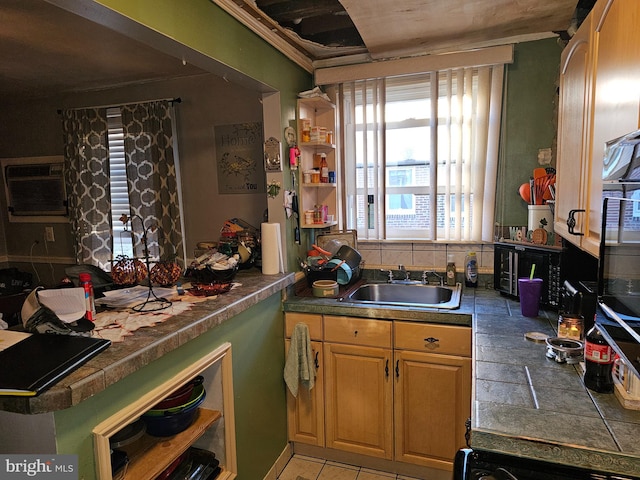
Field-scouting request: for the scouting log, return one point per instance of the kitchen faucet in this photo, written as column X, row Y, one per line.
column 407, row 273
column 425, row 277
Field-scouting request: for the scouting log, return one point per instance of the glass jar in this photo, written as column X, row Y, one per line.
column 571, row 326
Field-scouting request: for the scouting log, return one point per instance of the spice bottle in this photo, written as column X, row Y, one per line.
column 451, row 271
column 324, row 169
column 89, row 298
column 598, row 360
column 471, row 270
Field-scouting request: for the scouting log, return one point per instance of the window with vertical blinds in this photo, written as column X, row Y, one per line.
column 122, row 239
column 421, row 154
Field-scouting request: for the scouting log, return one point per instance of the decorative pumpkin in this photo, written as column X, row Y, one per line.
column 128, row 271
column 165, row 273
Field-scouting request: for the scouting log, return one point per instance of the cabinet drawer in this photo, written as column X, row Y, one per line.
column 427, row 337
column 313, row 321
column 357, row 331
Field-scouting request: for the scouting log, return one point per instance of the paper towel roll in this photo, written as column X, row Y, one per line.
column 272, row 259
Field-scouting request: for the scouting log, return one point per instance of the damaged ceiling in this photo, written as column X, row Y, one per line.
column 328, row 31
column 44, row 46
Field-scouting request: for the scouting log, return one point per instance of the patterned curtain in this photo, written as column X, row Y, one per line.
column 86, row 157
column 152, row 178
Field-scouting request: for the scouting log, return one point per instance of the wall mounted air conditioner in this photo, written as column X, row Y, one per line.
column 35, row 188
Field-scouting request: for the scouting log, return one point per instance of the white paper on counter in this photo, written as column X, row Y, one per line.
column 132, row 296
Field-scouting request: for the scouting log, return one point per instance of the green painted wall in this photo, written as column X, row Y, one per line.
column 529, row 123
column 204, row 27
column 257, row 340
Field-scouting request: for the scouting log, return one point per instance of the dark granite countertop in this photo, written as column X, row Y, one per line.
column 523, row 403
column 148, row 344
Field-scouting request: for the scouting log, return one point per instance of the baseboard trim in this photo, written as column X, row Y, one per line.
column 280, row 463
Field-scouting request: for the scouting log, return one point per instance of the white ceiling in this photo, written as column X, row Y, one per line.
column 46, row 50
column 44, row 47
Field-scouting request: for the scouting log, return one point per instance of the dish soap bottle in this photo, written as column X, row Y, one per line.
column 451, row 271
column 471, row 270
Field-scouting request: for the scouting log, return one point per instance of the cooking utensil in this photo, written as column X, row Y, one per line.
column 525, row 192
column 296, row 214
column 338, row 266
column 344, row 273
column 539, row 172
column 350, row 255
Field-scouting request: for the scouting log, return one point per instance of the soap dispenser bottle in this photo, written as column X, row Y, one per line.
column 451, row 271
column 471, row 270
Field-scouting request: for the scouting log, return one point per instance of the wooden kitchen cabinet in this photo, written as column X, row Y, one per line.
column 305, row 412
column 393, row 390
column 599, row 101
column 359, row 386
column 573, row 134
column 432, row 392
column 322, row 114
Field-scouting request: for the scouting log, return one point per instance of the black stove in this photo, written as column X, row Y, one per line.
column 485, row 465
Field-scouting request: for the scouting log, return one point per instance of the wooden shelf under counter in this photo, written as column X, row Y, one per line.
column 150, row 456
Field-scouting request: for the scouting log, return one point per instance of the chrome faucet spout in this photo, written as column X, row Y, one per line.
column 425, row 277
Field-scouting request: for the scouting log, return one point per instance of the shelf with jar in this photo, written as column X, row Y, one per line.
column 318, row 165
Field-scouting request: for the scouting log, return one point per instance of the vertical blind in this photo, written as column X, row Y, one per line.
column 421, row 154
column 122, row 239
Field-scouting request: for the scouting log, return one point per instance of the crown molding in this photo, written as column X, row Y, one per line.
column 267, row 29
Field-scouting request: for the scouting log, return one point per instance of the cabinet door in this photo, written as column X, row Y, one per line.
column 616, row 96
column 432, row 403
column 305, row 413
column 573, row 138
column 358, row 399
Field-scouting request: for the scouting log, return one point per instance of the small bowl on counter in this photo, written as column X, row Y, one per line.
column 325, row 288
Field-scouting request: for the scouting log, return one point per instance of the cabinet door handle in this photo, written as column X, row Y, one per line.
column 386, row 368
column 397, row 368
column 571, row 222
column 431, row 340
column 316, row 361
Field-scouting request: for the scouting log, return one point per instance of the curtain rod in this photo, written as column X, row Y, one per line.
column 171, row 100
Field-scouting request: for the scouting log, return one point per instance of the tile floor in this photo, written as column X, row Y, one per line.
column 310, row 468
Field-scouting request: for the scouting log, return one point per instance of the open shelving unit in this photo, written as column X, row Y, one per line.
column 213, row 428
column 321, row 113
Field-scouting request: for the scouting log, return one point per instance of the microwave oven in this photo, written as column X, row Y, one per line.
column 554, row 265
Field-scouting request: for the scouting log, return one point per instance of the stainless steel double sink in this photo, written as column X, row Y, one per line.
column 409, row 295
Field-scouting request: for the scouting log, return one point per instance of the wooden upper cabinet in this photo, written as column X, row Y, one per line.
column 599, row 101
column 573, row 133
column 616, row 93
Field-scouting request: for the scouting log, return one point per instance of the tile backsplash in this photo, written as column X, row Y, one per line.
column 423, row 256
